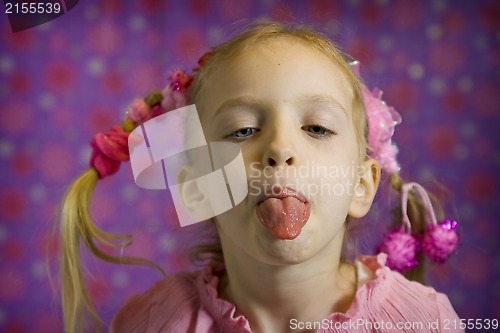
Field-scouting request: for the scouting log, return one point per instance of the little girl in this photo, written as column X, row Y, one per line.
column 303, row 121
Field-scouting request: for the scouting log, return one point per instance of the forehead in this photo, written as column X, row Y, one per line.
column 287, row 63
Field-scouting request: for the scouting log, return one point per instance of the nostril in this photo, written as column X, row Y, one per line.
column 271, row 162
column 289, row 161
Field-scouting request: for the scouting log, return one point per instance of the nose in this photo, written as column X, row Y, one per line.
column 280, row 150
column 280, row 159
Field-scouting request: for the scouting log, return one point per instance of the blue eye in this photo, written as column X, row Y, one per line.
column 244, row 132
column 318, row 130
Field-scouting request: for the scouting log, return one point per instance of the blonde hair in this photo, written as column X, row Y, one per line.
column 77, row 227
column 260, row 32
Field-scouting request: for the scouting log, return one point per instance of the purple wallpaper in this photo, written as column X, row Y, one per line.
column 61, row 82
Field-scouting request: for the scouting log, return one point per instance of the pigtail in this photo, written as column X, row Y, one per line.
column 416, row 234
column 76, row 222
column 109, row 150
column 77, row 228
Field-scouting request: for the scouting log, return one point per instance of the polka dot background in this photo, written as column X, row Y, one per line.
column 436, row 61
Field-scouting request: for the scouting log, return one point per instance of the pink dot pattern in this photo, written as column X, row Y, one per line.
column 61, row 82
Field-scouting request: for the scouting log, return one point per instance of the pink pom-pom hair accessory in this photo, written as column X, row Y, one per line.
column 401, row 249
column 438, row 241
column 400, row 245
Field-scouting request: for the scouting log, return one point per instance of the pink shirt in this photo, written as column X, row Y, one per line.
column 385, row 302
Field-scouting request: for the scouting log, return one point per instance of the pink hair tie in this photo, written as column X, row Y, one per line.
column 109, row 150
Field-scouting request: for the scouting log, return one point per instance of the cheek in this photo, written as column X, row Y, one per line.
column 332, row 183
column 232, row 222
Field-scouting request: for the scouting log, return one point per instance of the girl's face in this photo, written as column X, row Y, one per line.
column 289, row 108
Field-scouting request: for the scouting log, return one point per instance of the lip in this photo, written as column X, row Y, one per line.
column 280, row 193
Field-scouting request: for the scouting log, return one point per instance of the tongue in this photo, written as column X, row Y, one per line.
column 283, row 218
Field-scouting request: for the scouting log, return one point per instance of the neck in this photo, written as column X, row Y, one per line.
column 270, row 296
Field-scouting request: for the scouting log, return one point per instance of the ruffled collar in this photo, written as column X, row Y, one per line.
column 371, row 272
column 222, row 311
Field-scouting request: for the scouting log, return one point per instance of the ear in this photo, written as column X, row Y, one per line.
column 193, row 197
column 365, row 189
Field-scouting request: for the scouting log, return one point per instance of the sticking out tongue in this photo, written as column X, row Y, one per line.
column 283, row 218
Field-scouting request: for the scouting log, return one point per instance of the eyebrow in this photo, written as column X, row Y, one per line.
column 322, row 99
column 248, row 100
column 238, row 101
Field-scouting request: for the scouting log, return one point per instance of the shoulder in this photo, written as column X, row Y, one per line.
column 172, row 303
column 397, row 299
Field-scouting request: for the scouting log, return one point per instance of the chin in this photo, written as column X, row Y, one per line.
column 250, row 237
column 286, row 252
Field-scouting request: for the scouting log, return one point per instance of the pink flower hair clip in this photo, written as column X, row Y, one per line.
column 382, row 119
column 111, row 148
column 438, row 241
